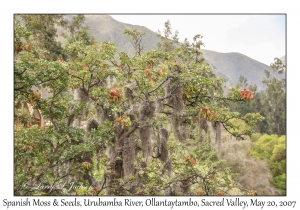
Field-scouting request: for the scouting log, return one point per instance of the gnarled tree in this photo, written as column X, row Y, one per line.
column 133, row 115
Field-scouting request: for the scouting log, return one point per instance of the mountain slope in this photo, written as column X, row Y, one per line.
column 235, row 64
column 105, row 28
column 227, row 65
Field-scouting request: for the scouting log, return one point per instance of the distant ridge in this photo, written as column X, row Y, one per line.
column 235, row 64
column 105, row 28
column 227, row 65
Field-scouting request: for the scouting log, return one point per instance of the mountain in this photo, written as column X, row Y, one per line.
column 227, row 65
column 105, row 28
column 235, row 64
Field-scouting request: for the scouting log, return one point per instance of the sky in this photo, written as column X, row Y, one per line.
column 261, row 37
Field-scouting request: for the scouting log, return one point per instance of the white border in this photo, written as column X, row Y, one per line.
column 8, row 8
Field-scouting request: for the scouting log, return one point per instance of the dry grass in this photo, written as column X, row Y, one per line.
column 253, row 174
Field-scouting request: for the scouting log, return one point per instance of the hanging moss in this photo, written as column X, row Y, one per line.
column 110, row 81
column 163, row 147
column 81, row 95
column 91, row 124
column 174, row 190
column 129, row 94
column 185, row 187
column 115, row 166
column 177, row 103
column 167, row 167
column 175, row 121
column 145, row 136
column 217, row 127
column 128, row 156
column 203, row 125
column 146, row 112
column 102, row 115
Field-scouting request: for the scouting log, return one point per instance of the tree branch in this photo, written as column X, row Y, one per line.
column 168, row 105
column 165, row 80
column 233, row 134
column 128, row 133
column 167, row 113
column 168, row 96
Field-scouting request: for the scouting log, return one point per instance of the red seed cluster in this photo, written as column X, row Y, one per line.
column 60, row 60
column 246, row 94
column 114, row 94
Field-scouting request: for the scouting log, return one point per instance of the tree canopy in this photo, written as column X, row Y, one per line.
column 119, row 124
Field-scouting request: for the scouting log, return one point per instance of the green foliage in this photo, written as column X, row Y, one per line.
column 273, row 149
column 199, row 168
column 274, row 103
column 43, row 29
column 23, row 116
column 100, row 100
column 75, row 31
column 279, row 152
column 263, row 147
column 33, row 66
column 136, row 39
column 169, row 41
column 280, row 183
column 270, row 103
column 41, row 152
